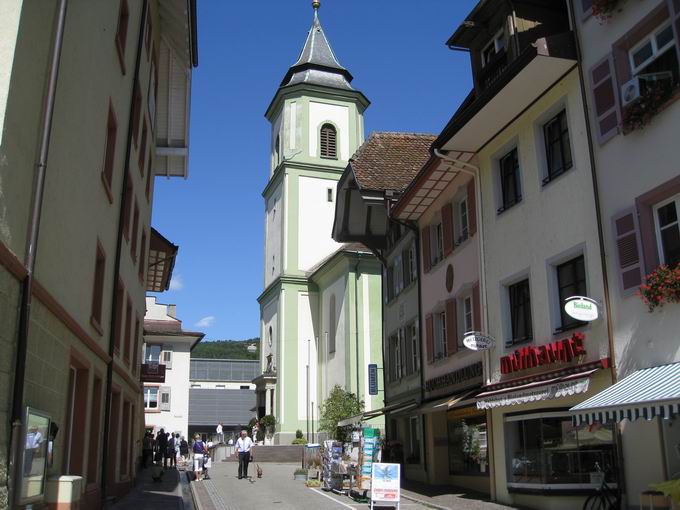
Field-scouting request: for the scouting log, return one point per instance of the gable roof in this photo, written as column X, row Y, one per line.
column 390, row 160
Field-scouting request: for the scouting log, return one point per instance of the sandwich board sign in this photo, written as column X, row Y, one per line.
column 385, row 484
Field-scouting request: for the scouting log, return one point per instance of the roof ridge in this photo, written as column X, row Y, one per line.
column 402, row 133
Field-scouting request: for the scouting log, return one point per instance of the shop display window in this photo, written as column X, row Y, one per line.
column 548, row 450
column 467, row 445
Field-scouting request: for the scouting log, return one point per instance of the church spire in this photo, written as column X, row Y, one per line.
column 317, row 64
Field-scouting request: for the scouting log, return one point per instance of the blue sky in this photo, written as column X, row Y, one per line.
column 395, row 50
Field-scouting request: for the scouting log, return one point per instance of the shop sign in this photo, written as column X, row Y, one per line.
column 385, row 483
column 552, row 391
column 372, row 379
column 476, row 341
column 153, row 372
column 582, row 308
column 562, row 351
column 462, row 375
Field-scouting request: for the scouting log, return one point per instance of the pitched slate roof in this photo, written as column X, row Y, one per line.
column 317, row 64
column 389, row 160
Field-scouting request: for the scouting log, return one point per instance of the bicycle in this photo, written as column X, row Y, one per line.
column 606, row 497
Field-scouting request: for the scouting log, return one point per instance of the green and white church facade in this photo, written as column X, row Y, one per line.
column 320, row 311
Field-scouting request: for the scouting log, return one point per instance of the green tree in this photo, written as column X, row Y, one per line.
column 339, row 405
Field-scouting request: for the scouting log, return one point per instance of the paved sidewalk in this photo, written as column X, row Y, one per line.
column 448, row 497
column 170, row 494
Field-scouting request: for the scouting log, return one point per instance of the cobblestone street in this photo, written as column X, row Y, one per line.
column 277, row 489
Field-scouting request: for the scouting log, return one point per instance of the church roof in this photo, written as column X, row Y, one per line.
column 317, row 64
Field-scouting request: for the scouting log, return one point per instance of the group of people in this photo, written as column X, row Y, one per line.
column 166, row 447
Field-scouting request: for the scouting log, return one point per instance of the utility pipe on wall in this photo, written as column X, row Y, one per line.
column 30, row 259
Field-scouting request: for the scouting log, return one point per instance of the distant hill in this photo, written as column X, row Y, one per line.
column 226, row 349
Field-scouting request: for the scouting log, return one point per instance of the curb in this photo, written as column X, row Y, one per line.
column 425, row 503
column 194, row 499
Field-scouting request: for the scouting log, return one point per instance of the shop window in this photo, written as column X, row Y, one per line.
column 151, row 397
column 557, row 146
column 548, row 450
column 668, row 231
column 414, row 440
column 571, row 281
column 520, row 312
column 468, row 453
column 509, row 180
column 440, row 335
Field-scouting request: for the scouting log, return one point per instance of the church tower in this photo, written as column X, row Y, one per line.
column 317, row 125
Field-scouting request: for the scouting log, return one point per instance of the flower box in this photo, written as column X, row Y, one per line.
column 661, row 286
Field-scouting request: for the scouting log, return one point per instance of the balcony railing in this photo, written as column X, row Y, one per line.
column 493, row 69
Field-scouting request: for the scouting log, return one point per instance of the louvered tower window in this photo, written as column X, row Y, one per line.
column 329, row 142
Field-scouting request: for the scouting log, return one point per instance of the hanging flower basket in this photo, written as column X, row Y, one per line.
column 661, row 286
column 639, row 113
column 604, row 9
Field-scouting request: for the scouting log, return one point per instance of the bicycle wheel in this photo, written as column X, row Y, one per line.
column 596, row 502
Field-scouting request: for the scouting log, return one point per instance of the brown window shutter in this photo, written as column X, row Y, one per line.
column 451, row 327
column 628, row 250
column 429, row 331
column 472, row 207
column 425, row 240
column 605, row 94
column 476, row 308
column 447, row 228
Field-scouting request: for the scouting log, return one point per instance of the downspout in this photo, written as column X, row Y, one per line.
column 596, row 196
column 473, row 170
column 356, row 322
column 30, row 258
column 116, row 267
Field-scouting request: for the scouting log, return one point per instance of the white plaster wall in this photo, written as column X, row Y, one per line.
column 156, row 311
column 273, row 227
column 270, row 314
column 332, row 365
column 307, row 331
column 320, row 113
column 8, row 38
column 315, row 217
column 552, row 220
column 177, row 378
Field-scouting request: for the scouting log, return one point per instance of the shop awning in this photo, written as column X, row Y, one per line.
column 643, row 394
column 444, row 404
column 392, row 409
column 549, row 389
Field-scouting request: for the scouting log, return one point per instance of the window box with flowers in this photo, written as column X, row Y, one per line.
column 661, row 286
column 605, row 9
column 639, row 113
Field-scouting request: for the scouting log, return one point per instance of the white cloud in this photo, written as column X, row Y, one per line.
column 206, row 322
column 176, row 283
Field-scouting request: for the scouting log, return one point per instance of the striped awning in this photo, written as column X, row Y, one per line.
column 644, row 394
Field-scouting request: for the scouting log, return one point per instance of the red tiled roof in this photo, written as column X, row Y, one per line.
column 389, row 160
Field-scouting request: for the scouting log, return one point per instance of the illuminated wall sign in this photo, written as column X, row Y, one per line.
column 582, row 308
column 561, row 351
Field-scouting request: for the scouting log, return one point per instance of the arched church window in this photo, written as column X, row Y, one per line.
column 331, row 324
column 329, row 142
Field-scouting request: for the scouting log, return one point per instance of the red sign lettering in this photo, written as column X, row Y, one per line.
column 562, row 351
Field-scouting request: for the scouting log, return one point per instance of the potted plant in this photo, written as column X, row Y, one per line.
column 268, row 422
column 300, row 474
column 299, row 439
column 604, row 9
column 661, row 286
column 639, row 113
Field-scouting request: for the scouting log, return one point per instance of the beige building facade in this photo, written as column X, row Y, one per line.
column 108, row 133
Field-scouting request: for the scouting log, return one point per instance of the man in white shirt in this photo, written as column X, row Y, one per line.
column 243, row 446
column 220, row 434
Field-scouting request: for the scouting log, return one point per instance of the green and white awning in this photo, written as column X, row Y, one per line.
column 644, row 394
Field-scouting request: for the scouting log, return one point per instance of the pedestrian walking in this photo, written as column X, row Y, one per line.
column 220, row 433
column 171, row 451
column 244, row 445
column 162, row 444
column 178, row 455
column 147, row 449
column 199, row 449
column 184, row 449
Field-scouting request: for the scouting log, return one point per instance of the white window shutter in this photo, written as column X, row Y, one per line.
column 164, row 398
column 166, row 356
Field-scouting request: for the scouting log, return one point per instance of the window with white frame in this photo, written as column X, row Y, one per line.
column 394, row 357
column 408, row 265
column 495, row 46
column 509, row 180
column 655, row 57
column 467, row 315
column 437, row 243
column 440, row 335
column 152, row 353
column 151, row 397
column 668, row 231
column 557, row 146
column 398, row 275
column 413, row 262
column 415, row 345
column 463, row 221
column 167, row 358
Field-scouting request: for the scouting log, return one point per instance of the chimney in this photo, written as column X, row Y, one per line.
column 172, row 311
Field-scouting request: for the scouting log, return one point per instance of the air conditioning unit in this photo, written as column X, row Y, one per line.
column 630, row 91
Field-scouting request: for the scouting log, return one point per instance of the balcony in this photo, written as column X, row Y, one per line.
column 506, row 89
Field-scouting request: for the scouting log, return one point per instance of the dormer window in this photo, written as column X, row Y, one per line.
column 328, row 142
column 495, row 46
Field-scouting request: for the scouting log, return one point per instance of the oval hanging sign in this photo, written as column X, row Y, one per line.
column 476, row 341
column 582, row 308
